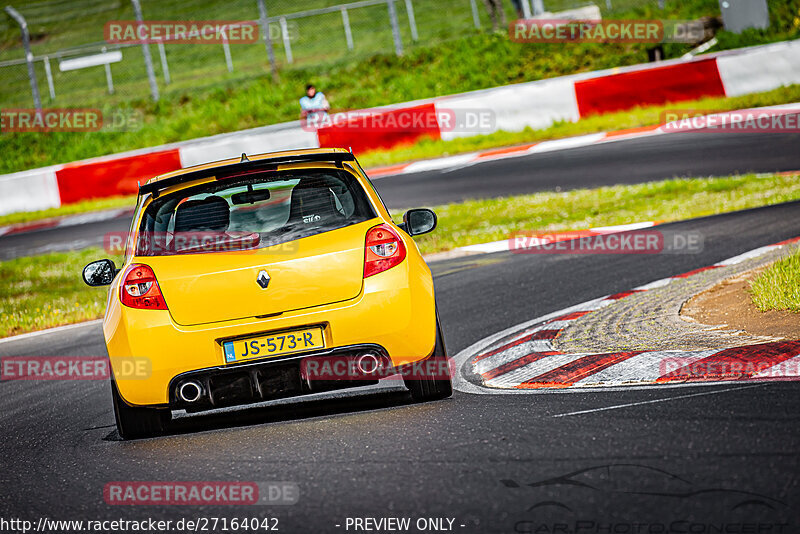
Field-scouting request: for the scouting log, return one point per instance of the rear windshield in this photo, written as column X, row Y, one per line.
column 252, row 211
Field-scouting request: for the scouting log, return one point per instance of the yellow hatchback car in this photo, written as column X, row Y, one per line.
column 272, row 276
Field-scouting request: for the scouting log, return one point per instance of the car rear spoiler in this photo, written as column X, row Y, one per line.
column 243, row 166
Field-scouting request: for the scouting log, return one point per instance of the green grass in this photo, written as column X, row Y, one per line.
column 481, row 221
column 429, row 148
column 778, row 287
column 633, row 118
column 43, row 291
column 84, row 206
column 316, row 42
column 383, row 79
column 451, row 57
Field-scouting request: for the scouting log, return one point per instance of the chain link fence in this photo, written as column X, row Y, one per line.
column 75, row 65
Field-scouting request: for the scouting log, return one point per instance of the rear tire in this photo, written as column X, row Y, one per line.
column 431, row 387
column 138, row 422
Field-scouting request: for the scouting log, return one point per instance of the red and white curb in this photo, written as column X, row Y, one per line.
column 522, row 359
column 536, row 105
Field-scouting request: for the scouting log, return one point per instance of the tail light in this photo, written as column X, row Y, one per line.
column 384, row 250
column 139, row 289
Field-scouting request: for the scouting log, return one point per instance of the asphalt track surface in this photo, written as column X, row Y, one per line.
column 628, row 161
column 682, row 459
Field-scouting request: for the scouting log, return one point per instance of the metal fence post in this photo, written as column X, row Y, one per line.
column 226, row 48
column 148, row 61
column 162, row 51
column 49, row 74
column 538, row 7
column 348, row 34
column 109, row 79
column 608, row 4
column 287, row 44
column 526, row 9
column 398, row 43
column 26, row 42
column 476, row 19
column 661, row 4
column 262, row 11
column 412, row 21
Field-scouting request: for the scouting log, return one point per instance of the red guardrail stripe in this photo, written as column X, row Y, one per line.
column 112, row 177
column 363, row 134
column 673, row 83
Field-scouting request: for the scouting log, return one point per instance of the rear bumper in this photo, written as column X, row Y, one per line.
column 395, row 311
column 276, row 378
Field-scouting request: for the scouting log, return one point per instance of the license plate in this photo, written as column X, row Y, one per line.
column 271, row 345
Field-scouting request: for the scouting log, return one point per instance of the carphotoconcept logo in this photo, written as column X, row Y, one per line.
column 690, row 505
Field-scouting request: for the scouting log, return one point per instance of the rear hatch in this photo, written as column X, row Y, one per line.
column 312, row 271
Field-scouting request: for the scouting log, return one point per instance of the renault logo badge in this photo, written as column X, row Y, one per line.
column 263, row 279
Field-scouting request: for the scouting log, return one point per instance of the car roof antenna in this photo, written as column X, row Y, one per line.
column 244, row 158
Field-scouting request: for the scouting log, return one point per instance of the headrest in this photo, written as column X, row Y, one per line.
column 210, row 214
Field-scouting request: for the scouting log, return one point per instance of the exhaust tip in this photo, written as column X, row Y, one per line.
column 368, row 363
column 190, row 391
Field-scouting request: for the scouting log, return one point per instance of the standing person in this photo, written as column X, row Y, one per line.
column 518, row 7
column 314, row 106
column 495, row 8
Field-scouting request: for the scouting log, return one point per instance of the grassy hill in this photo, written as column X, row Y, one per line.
column 204, row 99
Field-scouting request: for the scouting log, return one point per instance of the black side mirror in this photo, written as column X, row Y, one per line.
column 419, row 221
column 99, row 273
